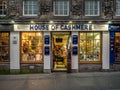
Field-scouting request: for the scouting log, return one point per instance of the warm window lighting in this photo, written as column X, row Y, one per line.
column 39, row 34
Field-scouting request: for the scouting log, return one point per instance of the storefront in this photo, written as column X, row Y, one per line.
column 115, row 46
column 31, row 47
column 5, row 47
column 51, row 47
column 61, row 44
column 93, row 48
column 90, row 47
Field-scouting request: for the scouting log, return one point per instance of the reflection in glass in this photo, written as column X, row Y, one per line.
column 90, row 46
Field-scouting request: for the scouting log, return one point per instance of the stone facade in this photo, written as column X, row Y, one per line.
column 77, row 13
column 15, row 10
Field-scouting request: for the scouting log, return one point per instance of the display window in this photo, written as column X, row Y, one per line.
column 4, row 47
column 117, row 47
column 89, row 47
column 31, row 47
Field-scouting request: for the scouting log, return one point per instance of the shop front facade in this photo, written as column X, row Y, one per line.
column 115, row 46
column 54, row 47
column 58, row 47
column 5, row 30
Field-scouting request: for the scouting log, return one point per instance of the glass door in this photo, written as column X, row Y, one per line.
column 60, row 48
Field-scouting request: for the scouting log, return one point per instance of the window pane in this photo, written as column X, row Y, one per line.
column 91, row 8
column 82, row 35
column 96, row 35
column 90, row 46
column 61, row 7
column 4, row 47
column 31, row 47
column 24, row 35
column 96, row 50
column 82, row 49
column 118, row 7
column 30, row 7
column 90, row 36
column 3, row 7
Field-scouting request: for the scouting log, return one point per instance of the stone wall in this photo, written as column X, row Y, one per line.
column 90, row 67
column 31, row 68
column 45, row 13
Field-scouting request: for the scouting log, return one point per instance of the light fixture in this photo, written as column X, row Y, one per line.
column 70, row 22
column 12, row 21
column 32, row 21
column 109, row 22
column 90, row 22
column 39, row 34
column 50, row 21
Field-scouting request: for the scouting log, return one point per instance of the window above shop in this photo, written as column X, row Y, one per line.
column 61, row 7
column 30, row 7
column 117, row 7
column 92, row 7
column 3, row 7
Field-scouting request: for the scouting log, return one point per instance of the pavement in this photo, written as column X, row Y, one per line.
column 62, row 81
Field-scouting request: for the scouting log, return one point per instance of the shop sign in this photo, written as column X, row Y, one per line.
column 112, row 47
column 75, row 39
column 99, row 27
column 46, row 39
column 75, row 50
column 114, row 27
column 47, row 50
column 63, row 27
column 60, row 27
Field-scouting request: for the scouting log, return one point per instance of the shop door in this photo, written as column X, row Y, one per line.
column 60, row 50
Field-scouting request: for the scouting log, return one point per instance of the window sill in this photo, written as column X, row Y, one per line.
column 90, row 62
column 5, row 62
column 2, row 15
column 61, row 15
column 27, row 62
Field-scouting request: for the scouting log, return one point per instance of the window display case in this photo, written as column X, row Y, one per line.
column 4, row 47
column 89, row 44
column 31, row 47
